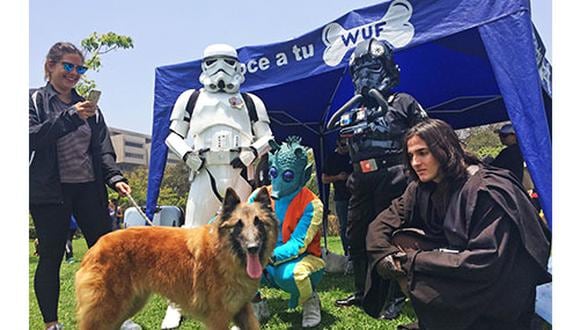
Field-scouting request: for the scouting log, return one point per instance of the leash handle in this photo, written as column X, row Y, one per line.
column 141, row 213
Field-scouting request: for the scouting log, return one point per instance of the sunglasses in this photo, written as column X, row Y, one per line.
column 68, row 67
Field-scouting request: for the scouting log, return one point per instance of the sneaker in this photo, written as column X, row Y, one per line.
column 393, row 309
column 311, row 311
column 409, row 326
column 352, row 300
column 130, row 325
column 349, row 268
column 172, row 317
column 58, row 326
column 261, row 310
column 70, row 260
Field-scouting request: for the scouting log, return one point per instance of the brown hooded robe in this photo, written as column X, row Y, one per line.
column 503, row 253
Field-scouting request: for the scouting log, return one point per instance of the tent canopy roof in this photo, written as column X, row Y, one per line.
column 468, row 62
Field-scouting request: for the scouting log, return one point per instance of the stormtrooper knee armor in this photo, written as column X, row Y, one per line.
column 217, row 138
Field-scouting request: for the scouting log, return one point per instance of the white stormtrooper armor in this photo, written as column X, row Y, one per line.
column 216, row 140
column 217, row 134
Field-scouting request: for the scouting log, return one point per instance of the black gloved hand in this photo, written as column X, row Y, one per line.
column 245, row 158
column 390, row 266
column 237, row 163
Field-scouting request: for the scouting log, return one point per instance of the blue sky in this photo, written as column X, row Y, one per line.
column 171, row 32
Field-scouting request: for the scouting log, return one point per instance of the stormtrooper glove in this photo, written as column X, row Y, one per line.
column 245, row 158
column 193, row 161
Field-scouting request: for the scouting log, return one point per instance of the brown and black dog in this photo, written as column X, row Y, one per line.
column 211, row 272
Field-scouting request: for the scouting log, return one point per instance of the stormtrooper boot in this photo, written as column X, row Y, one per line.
column 172, row 317
column 260, row 308
column 311, row 311
column 130, row 325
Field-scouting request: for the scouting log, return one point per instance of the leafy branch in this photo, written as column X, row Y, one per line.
column 96, row 45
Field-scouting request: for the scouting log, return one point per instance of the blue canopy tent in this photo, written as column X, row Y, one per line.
column 468, row 62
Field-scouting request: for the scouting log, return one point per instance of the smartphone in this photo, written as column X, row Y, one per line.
column 94, row 96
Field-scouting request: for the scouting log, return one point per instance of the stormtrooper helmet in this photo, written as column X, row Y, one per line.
column 221, row 70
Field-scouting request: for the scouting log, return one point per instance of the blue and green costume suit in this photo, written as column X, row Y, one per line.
column 297, row 266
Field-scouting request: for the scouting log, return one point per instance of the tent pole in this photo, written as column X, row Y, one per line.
column 323, row 187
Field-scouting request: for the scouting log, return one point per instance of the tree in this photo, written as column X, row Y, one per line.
column 138, row 182
column 173, row 190
column 96, row 45
column 175, row 186
column 482, row 141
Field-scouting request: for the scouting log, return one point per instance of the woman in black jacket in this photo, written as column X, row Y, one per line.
column 71, row 160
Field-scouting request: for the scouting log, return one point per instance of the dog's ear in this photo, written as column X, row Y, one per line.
column 231, row 200
column 263, row 198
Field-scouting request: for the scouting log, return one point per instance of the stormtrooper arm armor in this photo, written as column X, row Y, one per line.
column 262, row 134
column 178, row 129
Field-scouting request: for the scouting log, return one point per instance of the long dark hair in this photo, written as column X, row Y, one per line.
column 445, row 147
column 56, row 53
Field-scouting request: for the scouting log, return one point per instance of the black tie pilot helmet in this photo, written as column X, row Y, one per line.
column 371, row 66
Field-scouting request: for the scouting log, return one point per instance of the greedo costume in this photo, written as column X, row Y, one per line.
column 296, row 264
column 496, row 253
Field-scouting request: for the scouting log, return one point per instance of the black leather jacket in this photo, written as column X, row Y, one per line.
column 45, row 128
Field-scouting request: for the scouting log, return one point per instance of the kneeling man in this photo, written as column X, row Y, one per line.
column 464, row 239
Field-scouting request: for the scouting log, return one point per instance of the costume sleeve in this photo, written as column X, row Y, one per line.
column 379, row 245
column 484, row 255
column 252, row 196
column 307, row 227
column 42, row 134
column 111, row 172
column 380, row 230
column 261, row 128
column 416, row 112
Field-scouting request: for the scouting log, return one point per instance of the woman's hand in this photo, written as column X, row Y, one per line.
column 123, row 188
column 86, row 109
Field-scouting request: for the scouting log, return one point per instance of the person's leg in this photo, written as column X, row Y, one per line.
column 359, row 210
column 342, row 215
column 51, row 223
column 201, row 207
column 390, row 186
column 91, row 214
column 202, row 204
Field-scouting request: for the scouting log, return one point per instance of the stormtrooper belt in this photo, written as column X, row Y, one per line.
column 222, row 157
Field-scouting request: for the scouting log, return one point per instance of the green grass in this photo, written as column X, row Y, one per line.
column 332, row 287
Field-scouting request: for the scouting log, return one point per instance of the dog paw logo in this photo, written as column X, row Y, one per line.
column 393, row 27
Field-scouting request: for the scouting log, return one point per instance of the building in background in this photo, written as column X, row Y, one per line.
column 134, row 149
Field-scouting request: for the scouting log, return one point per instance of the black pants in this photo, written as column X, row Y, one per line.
column 371, row 193
column 51, row 222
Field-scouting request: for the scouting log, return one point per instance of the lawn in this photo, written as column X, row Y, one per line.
column 332, row 287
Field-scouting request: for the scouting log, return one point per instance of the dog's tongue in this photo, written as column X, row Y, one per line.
column 253, row 266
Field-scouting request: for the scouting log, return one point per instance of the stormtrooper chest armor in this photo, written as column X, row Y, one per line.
column 220, row 122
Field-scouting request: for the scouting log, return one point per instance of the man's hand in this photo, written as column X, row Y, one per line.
column 342, row 176
column 86, row 109
column 390, row 266
column 193, row 161
column 122, row 188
